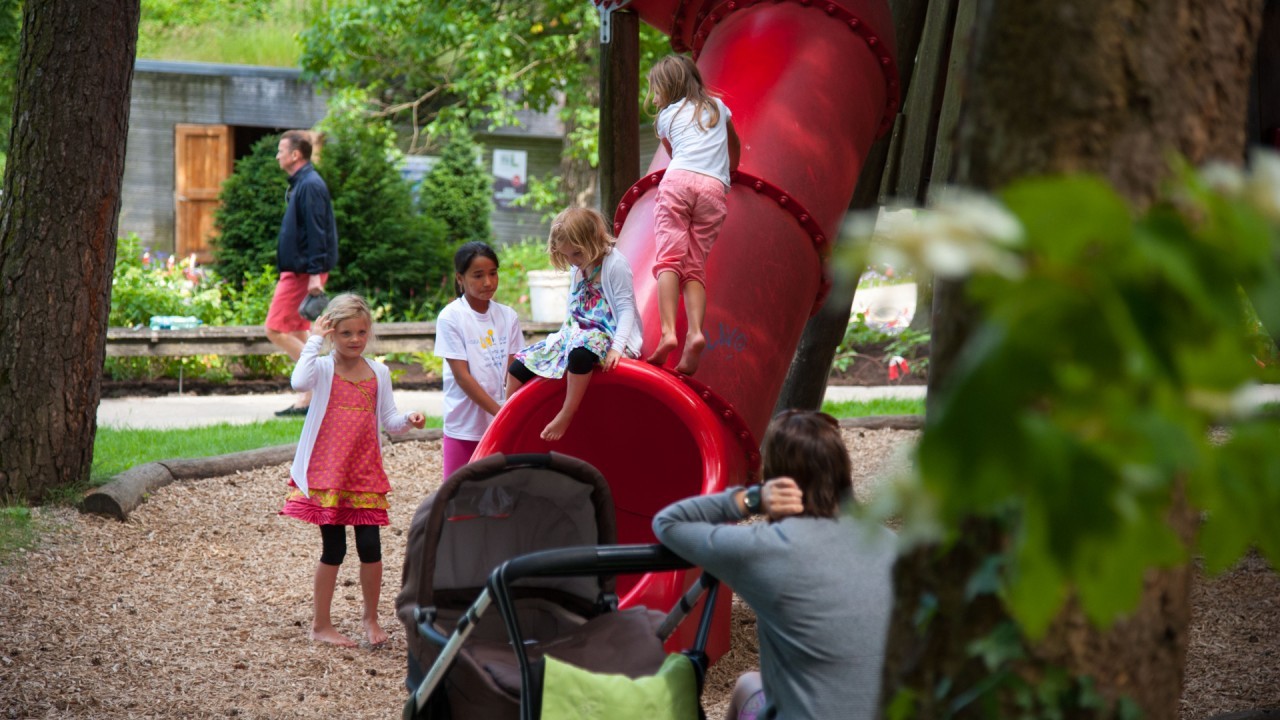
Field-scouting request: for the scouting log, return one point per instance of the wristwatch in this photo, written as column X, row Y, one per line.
column 752, row 500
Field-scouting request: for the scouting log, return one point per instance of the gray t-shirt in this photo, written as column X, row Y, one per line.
column 822, row 591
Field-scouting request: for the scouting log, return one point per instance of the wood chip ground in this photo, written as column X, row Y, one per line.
column 198, row 607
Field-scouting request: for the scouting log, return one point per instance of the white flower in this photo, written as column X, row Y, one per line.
column 962, row 234
column 1224, row 178
column 1262, row 187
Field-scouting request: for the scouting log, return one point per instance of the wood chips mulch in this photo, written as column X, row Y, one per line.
column 199, row 606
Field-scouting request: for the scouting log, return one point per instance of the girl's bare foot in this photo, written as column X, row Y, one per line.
column 693, row 346
column 557, row 427
column 374, row 633
column 330, row 634
column 666, row 344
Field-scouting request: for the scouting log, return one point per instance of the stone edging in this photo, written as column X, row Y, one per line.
column 126, row 491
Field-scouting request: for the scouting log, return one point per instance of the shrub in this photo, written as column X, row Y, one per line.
column 386, row 250
column 459, row 193
column 248, row 218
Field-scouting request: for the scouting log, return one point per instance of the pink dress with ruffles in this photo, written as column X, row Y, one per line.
column 347, row 482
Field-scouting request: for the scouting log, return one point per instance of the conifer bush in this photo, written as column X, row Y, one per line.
column 459, row 193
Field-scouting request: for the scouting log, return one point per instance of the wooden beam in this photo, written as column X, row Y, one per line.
column 252, row 340
column 619, row 110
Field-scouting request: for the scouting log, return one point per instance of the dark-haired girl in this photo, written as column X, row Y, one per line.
column 477, row 338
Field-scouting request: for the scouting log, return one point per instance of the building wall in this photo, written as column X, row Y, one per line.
column 168, row 93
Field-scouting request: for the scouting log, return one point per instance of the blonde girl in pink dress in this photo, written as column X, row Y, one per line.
column 337, row 477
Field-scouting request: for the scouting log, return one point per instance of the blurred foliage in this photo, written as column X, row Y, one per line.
column 387, row 250
column 10, row 46
column 245, row 32
column 1081, row 408
column 446, row 67
column 514, row 263
column 458, row 193
column 250, row 208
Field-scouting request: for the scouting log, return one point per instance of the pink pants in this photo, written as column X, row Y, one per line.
column 457, row 453
column 690, row 209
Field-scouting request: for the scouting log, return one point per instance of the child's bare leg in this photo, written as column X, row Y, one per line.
column 371, row 590
column 322, row 629
column 574, row 392
column 695, row 308
column 668, row 304
column 512, row 385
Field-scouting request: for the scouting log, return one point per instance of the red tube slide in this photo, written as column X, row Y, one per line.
column 810, row 84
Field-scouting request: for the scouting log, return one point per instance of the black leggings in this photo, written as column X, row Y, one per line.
column 334, row 539
column 581, row 362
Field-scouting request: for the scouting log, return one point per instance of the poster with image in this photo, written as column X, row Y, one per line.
column 510, row 176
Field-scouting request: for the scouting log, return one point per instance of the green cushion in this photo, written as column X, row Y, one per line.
column 571, row 692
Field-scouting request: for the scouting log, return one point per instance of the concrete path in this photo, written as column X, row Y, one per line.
column 180, row 411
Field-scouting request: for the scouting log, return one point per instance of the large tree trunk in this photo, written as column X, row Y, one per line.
column 58, row 236
column 1109, row 87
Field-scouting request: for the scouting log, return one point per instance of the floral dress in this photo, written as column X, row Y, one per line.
column 590, row 324
column 345, row 476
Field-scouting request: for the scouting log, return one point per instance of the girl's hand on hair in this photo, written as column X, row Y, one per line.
column 781, row 497
column 417, row 419
column 322, row 327
column 611, row 360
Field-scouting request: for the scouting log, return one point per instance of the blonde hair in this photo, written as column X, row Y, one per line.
column 675, row 78
column 580, row 228
column 349, row 306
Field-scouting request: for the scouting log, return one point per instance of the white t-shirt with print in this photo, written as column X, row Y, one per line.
column 698, row 149
column 484, row 340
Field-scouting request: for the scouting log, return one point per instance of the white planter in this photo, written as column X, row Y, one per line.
column 549, row 295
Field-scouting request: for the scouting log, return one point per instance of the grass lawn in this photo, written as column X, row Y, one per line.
column 16, row 531
column 118, row 449
column 879, row 406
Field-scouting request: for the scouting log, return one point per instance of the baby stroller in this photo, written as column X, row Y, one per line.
column 532, row 534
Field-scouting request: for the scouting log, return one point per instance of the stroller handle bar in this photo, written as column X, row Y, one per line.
column 589, row 560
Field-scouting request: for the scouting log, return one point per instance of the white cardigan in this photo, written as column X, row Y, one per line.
column 620, row 293
column 315, row 373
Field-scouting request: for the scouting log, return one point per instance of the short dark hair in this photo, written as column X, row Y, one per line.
column 465, row 255
column 807, row 446
column 299, row 140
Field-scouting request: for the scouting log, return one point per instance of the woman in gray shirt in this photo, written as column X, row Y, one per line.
column 818, row 579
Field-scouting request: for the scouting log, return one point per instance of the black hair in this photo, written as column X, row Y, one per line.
column 468, row 252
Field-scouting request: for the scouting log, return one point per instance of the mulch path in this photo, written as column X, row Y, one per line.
column 199, row 606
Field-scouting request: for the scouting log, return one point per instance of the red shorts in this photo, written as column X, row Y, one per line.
column 690, row 209
column 290, row 289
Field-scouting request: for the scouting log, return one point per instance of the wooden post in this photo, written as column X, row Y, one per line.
column 619, row 110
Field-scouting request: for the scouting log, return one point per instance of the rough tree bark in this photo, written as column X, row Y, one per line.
column 1110, row 87
column 58, row 235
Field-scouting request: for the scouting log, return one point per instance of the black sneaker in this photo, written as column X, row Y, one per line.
column 291, row 411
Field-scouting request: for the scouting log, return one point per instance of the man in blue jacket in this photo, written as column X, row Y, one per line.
column 306, row 252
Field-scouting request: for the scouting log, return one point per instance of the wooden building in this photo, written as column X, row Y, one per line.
column 189, row 122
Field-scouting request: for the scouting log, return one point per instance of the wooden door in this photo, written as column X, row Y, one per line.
column 203, row 158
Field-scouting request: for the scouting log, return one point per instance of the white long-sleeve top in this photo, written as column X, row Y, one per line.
column 620, row 292
column 315, row 373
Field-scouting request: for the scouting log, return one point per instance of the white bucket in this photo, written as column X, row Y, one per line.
column 549, row 295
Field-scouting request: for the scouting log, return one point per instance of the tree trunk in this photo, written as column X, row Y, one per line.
column 1109, row 87
column 58, row 236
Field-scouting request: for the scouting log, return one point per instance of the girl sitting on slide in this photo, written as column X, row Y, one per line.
column 602, row 325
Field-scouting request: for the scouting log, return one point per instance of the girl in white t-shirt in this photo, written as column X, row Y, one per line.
column 477, row 337
column 697, row 132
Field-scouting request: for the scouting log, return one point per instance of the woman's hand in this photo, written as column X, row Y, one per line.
column 322, row 327
column 417, row 419
column 611, row 360
column 781, row 497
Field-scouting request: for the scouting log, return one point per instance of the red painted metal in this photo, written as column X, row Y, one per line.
column 811, row 84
